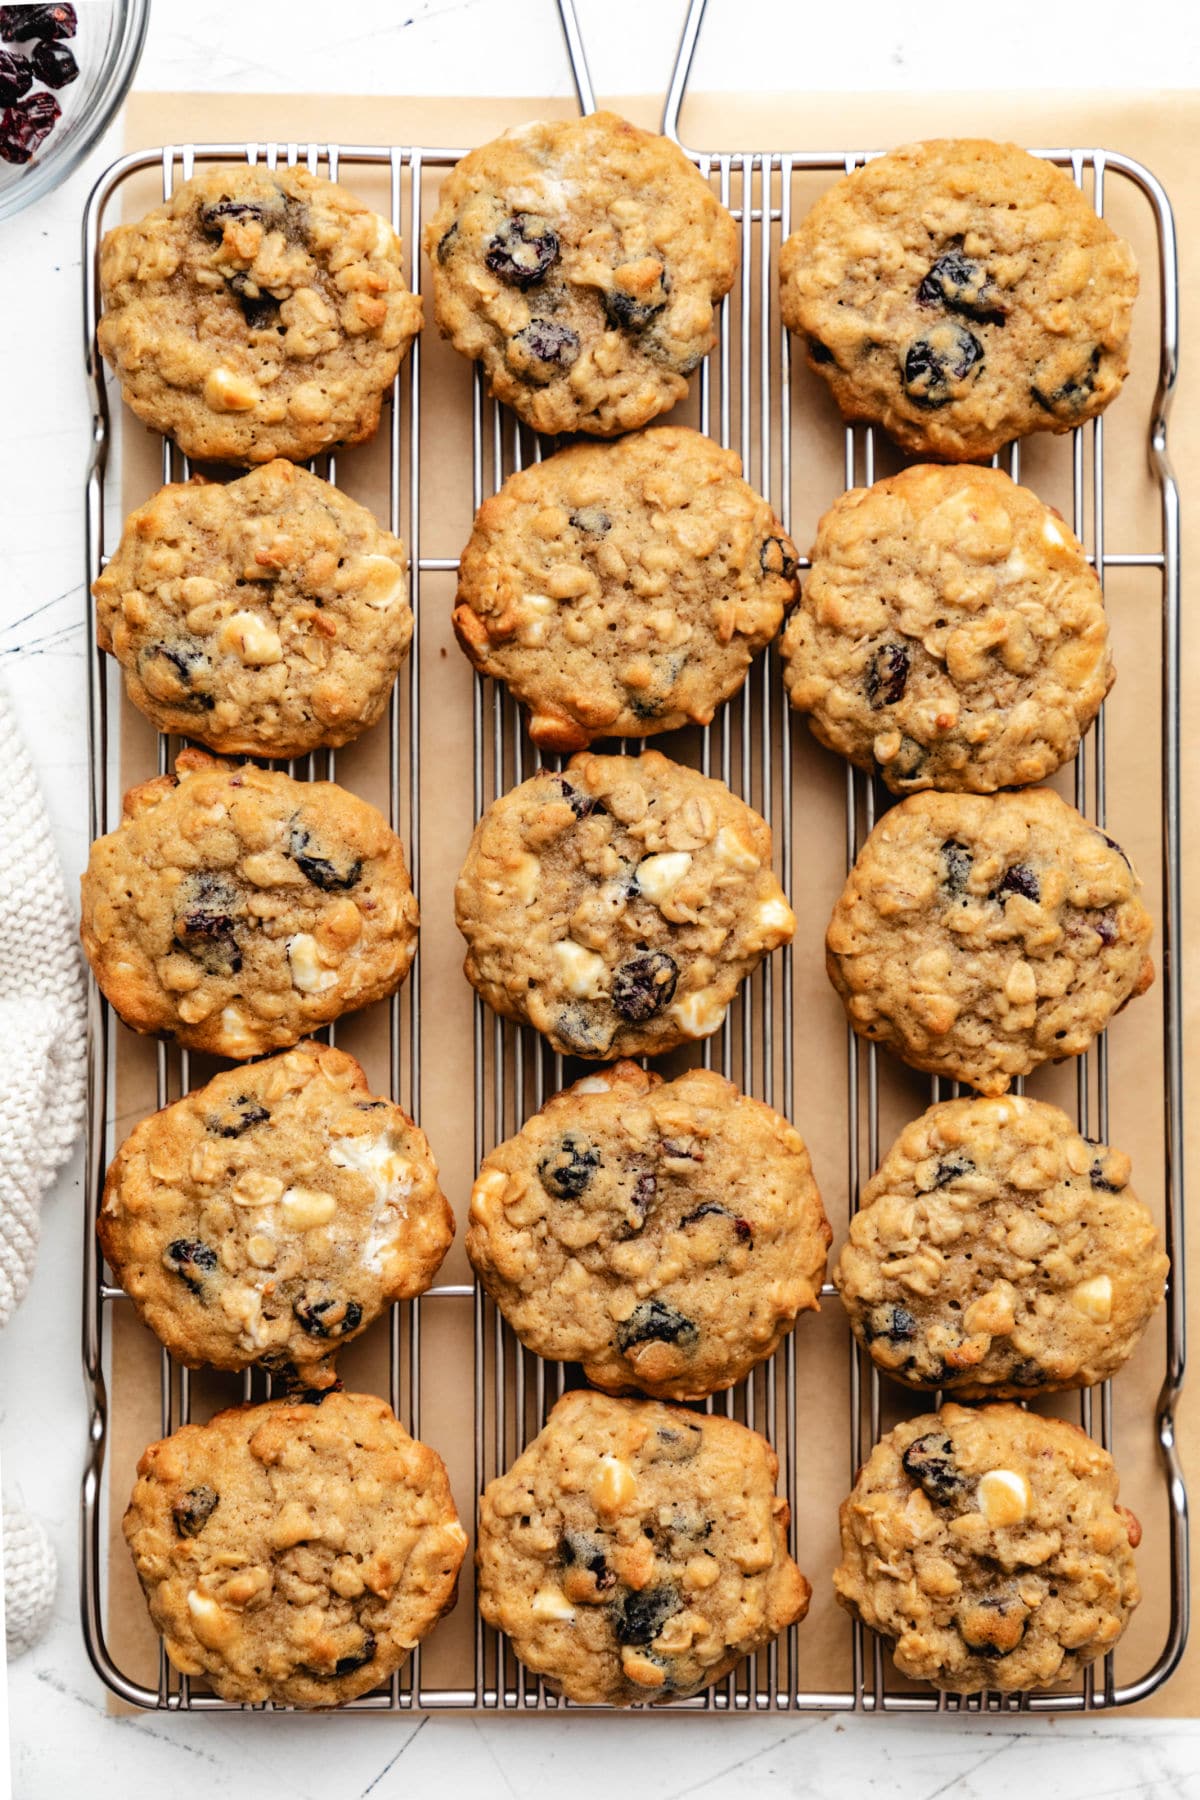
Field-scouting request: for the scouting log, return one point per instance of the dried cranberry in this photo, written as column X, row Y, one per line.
column 1072, row 394
column 547, row 343
column 327, row 1318
column 742, row 1228
column 895, row 1323
column 54, row 64
column 191, row 1261
column 206, row 923
column 581, row 804
column 929, row 1460
column 19, row 23
column 624, row 313
column 16, row 76
column 357, row 1659
column 192, row 1511
column 1020, row 879
column 578, row 1550
column 644, row 985
column 320, row 870
column 775, row 557
column 191, row 668
column 523, row 250
column 1099, row 1172
column 818, row 353
column 26, row 125
column 639, row 1617
column 934, row 362
column 592, row 520
column 216, row 214
column 676, row 1444
column 956, row 866
column 260, row 311
column 446, row 242
column 656, row 1322
column 952, row 1168
column 993, row 1627
column 964, row 286
column 567, row 1170
column 243, row 1115
column 887, row 676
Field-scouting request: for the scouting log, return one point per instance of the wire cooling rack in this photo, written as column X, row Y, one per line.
column 745, row 397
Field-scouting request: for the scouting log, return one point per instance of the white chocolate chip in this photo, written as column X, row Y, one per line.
column 307, row 972
column 226, row 391
column 1094, row 1298
column 551, row 1603
column 383, row 581
column 594, row 1084
column 613, row 1488
column 238, row 1040
column 583, row 974
column 526, row 876
column 699, row 1014
column 776, row 915
column 250, row 640
column 1021, row 985
column 731, row 849
column 1052, row 534
column 210, row 1622
column 377, row 1158
column 305, row 1208
column 535, row 613
column 1003, row 1497
column 659, row 876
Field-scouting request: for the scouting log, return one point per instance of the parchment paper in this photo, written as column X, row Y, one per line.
column 1157, row 129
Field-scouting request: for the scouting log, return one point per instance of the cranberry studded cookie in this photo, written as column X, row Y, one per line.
column 988, row 1545
column 997, row 1252
column 581, row 262
column 617, row 907
column 256, row 313
column 266, row 617
column 980, row 935
column 271, row 1215
column 294, row 1552
column 623, row 589
column 637, row 1552
column 951, row 633
column 961, row 293
column 665, row 1234
column 234, row 909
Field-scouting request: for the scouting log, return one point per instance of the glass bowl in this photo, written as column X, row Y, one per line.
column 106, row 46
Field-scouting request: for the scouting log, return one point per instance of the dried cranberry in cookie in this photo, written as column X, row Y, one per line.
column 234, row 909
column 961, row 293
column 623, row 589
column 294, row 1552
column 980, row 935
column 264, row 617
column 581, row 262
column 997, row 1252
column 255, row 314
column 665, row 1234
column 635, row 1553
column 273, row 1214
column 617, row 907
column 950, row 634
column 988, row 1545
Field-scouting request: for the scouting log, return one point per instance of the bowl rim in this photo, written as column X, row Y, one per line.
column 115, row 80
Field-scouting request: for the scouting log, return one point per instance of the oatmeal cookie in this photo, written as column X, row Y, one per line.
column 961, row 293
column 664, row 1234
column 617, row 907
column 950, row 635
column 271, row 1215
column 234, row 909
column 256, row 313
column 581, row 262
column 980, row 935
column 265, row 618
column 623, row 589
column 997, row 1251
column 294, row 1552
column 988, row 1545
column 636, row 1552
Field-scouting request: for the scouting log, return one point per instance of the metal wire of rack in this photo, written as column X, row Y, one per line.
column 745, row 394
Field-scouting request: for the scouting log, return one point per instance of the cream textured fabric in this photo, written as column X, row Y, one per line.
column 42, row 1021
column 42, row 1045
column 30, row 1581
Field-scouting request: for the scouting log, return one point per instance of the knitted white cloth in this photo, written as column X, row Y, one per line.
column 42, row 1052
column 30, row 1581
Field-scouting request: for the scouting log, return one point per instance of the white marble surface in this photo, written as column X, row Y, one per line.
column 62, row 1741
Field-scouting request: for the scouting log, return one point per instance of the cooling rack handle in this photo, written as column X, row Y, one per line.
column 577, row 56
column 684, row 56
